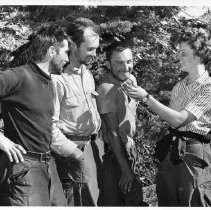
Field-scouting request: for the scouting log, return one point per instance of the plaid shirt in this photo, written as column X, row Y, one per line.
column 196, row 99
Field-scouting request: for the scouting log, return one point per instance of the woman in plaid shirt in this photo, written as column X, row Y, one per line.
column 184, row 176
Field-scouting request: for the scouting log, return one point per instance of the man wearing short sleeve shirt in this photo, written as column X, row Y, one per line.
column 121, row 186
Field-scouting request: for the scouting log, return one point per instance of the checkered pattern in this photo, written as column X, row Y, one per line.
column 196, row 99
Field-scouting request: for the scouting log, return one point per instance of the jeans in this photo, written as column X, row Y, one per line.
column 187, row 183
column 111, row 193
column 81, row 177
column 30, row 183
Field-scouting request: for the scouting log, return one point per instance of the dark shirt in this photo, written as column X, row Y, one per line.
column 26, row 93
column 112, row 99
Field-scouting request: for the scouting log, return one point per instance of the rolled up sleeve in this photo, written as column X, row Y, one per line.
column 201, row 103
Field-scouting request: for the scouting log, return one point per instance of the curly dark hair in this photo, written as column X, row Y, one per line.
column 40, row 42
column 200, row 41
column 118, row 46
column 76, row 29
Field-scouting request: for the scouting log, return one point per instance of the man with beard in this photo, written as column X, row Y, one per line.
column 76, row 120
column 121, row 184
column 28, row 174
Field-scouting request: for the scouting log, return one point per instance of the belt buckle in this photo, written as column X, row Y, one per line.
column 41, row 157
column 45, row 157
column 93, row 137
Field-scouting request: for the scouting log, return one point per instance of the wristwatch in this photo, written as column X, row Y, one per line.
column 146, row 98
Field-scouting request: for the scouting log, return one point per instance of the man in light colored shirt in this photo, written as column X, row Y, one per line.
column 76, row 120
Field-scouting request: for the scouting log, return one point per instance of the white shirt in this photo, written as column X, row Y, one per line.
column 75, row 108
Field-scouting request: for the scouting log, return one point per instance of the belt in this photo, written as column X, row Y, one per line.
column 191, row 135
column 93, row 137
column 193, row 141
column 41, row 157
column 178, row 145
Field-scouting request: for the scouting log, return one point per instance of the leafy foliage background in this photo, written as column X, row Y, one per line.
column 149, row 30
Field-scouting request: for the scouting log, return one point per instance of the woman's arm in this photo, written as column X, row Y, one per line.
column 174, row 118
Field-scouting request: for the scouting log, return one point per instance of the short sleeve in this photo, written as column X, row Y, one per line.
column 201, row 102
column 106, row 101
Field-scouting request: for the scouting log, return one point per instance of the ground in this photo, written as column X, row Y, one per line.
column 150, row 195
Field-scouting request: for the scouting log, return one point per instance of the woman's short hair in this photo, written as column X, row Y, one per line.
column 199, row 40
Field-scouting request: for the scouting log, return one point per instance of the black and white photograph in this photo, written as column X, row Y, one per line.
column 105, row 103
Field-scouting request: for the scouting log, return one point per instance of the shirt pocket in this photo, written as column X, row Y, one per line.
column 72, row 99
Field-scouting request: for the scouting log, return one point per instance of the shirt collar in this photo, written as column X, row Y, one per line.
column 114, row 80
column 75, row 70
column 199, row 80
column 37, row 70
column 202, row 77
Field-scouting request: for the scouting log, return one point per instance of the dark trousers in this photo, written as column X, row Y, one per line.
column 187, row 183
column 81, row 177
column 111, row 193
column 30, row 183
